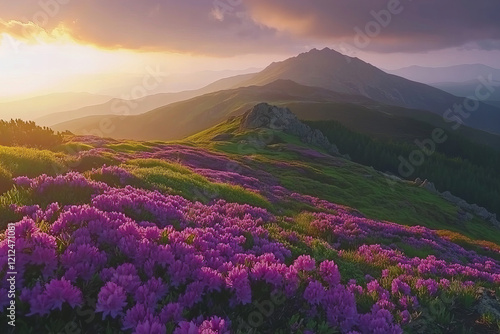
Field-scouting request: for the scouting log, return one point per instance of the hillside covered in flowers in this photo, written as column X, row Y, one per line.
column 230, row 236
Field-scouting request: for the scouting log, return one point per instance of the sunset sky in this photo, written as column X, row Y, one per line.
column 70, row 45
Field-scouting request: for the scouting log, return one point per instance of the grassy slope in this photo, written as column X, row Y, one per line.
column 20, row 161
column 334, row 179
column 177, row 179
column 344, row 182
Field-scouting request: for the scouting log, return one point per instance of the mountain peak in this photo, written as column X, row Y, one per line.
column 325, row 52
column 333, row 71
column 324, row 68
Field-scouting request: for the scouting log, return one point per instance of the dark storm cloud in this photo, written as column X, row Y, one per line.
column 228, row 27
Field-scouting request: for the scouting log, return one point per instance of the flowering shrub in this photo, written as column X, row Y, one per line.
column 112, row 175
column 145, row 261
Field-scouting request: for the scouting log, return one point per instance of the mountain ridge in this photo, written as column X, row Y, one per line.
column 332, row 70
column 171, row 122
column 456, row 73
column 43, row 105
column 116, row 106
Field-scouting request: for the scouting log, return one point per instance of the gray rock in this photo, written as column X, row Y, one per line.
column 223, row 137
column 266, row 116
column 257, row 143
column 392, row 177
column 472, row 208
column 488, row 304
column 429, row 186
column 464, row 216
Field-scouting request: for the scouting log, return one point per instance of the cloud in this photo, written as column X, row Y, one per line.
column 188, row 26
column 27, row 32
column 233, row 27
column 391, row 25
column 31, row 33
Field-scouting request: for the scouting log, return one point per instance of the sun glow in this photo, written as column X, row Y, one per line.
column 30, row 68
column 36, row 61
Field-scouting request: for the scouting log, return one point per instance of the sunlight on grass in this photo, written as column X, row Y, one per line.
column 177, row 179
column 72, row 148
column 5, row 180
column 14, row 196
column 20, row 161
column 129, row 147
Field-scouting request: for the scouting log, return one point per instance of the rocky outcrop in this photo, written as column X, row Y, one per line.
column 266, row 116
column 465, row 208
column 473, row 208
column 465, row 212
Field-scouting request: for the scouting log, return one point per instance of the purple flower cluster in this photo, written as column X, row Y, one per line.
column 122, row 175
column 208, row 253
column 450, row 259
column 72, row 179
column 155, row 262
column 216, row 167
column 52, row 296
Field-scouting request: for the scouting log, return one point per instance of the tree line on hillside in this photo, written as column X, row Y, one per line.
column 464, row 168
column 21, row 133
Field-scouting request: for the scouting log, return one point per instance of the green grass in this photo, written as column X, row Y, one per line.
column 244, row 144
column 16, row 196
column 72, row 148
column 359, row 187
column 376, row 198
column 20, row 161
column 230, row 126
column 411, row 251
column 177, row 179
column 129, row 147
column 339, row 181
column 89, row 162
column 5, row 180
column 334, row 179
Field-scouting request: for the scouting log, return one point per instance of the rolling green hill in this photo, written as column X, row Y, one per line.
column 258, row 207
column 185, row 118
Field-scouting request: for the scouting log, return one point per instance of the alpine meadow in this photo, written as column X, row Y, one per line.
column 249, row 166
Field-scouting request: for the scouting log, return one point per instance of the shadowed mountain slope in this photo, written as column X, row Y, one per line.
column 120, row 107
column 331, row 70
column 186, row 118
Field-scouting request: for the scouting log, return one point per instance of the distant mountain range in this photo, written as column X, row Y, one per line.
column 468, row 88
column 41, row 106
column 185, row 118
column 455, row 74
column 332, row 70
column 316, row 74
column 120, row 107
column 459, row 80
column 181, row 119
column 116, row 107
